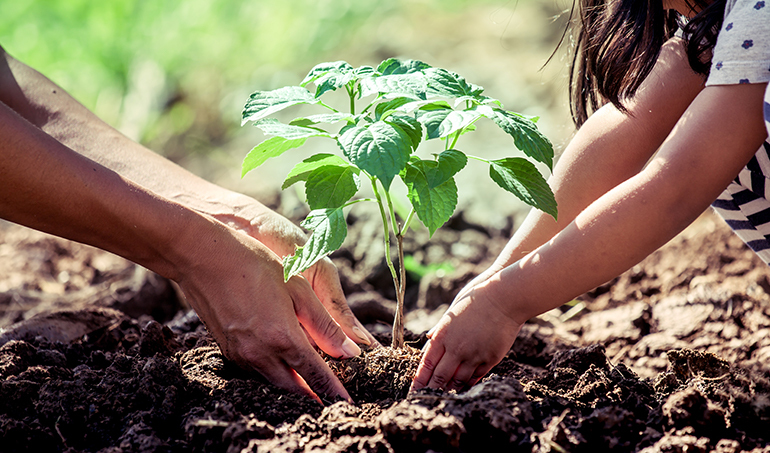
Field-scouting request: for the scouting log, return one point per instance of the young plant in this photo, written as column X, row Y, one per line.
column 404, row 103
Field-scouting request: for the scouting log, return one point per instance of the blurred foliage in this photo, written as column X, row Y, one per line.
column 418, row 270
column 123, row 58
column 175, row 74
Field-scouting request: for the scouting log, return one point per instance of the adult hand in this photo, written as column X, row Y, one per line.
column 161, row 189
column 236, row 285
column 470, row 338
column 282, row 237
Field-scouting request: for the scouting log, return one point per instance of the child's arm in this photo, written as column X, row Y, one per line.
column 715, row 137
column 611, row 147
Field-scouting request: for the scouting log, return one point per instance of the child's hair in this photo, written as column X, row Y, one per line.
column 618, row 42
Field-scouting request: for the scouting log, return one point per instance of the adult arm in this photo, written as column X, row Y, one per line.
column 47, row 186
column 232, row 280
column 55, row 112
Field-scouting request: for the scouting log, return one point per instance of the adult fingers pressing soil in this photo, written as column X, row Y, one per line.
column 255, row 317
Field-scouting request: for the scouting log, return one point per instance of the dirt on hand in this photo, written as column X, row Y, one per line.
column 672, row 356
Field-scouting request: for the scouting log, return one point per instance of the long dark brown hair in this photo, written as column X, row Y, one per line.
column 618, row 41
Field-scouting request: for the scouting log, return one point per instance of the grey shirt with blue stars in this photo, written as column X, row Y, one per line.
column 742, row 55
column 742, row 52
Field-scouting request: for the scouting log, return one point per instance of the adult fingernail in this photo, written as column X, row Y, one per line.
column 350, row 348
column 361, row 336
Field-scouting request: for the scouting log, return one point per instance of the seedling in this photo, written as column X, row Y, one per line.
column 405, row 102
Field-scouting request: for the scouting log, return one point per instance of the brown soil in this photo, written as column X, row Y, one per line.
column 670, row 357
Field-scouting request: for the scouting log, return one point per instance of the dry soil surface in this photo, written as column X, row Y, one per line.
column 672, row 356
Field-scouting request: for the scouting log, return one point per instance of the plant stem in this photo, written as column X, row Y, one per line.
column 457, row 136
column 393, row 272
column 322, row 104
column 477, row 158
column 351, row 95
column 359, row 200
column 398, row 320
column 407, row 222
column 386, row 231
column 392, row 212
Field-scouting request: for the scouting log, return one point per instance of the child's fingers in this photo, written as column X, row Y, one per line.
column 445, row 369
column 462, row 376
column 432, row 353
column 480, row 372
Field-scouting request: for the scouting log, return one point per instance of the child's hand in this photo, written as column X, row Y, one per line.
column 472, row 337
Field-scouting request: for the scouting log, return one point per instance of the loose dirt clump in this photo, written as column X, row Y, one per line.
column 382, row 374
column 672, row 356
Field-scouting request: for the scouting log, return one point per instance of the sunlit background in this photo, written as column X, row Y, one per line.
column 175, row 74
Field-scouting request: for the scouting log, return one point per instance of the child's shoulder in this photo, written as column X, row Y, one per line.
column 753, row 12
column 742, row 51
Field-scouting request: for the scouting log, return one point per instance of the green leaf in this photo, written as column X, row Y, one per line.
column 491, row 101
column 322, row 69
column 396, row 85
column 329, row 76
column 272, row 147
column 331, row 186
column 433, row 205
column 329, row 231
column 525, row 135
column 396, row 66
column 262, row 104
column 441, row 123
column 438, row 171
column 271, row 126
column 430, row 105
column 449, row 163
column 432, row 190
column 478, row 100
column 409, row 125
column 520, row 177
column 407, row 105
column 302, row 170
column 432, row 120
column 329, row 118
column 365, row 71
column 449, row 84
column 379, row 149
column 390, row 106
column 469, row 128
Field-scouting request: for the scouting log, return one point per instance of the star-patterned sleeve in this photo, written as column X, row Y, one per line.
column 742, row 55
column 742, row 52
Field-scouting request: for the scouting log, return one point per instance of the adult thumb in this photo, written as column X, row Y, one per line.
column 313, row 316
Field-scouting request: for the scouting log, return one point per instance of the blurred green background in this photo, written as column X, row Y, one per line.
column 175, row 74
